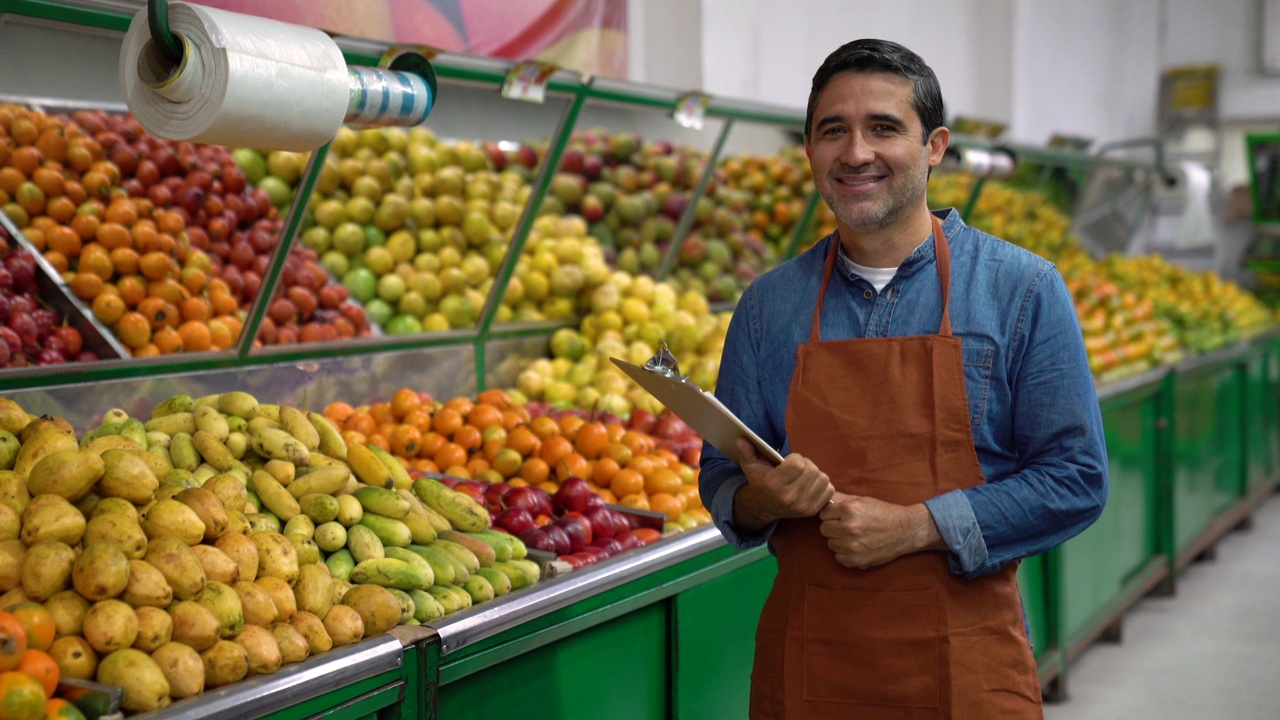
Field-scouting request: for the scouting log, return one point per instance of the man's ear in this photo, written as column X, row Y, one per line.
column 939, row 139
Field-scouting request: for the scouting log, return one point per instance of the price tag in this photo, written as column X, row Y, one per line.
column 974, row 127
column 394, row 52
column 528, row 81
column 691, row 110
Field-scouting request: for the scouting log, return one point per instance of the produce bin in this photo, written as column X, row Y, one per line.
column 1208, row 470
column 1262, row 416
column 371, row 679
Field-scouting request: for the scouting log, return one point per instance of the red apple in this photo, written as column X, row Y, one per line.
column 573, row 495
column 538, row 539
column 609, row 545
column 562, row 540
column 601, row 520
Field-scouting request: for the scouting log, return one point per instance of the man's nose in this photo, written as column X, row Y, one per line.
column 857, row 151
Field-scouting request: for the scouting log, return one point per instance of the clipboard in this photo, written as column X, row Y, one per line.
column 700, row 410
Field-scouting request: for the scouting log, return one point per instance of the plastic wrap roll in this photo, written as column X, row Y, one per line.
column 243, row 81
column 387, row 97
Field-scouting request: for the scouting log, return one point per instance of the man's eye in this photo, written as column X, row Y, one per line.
column 833, row 131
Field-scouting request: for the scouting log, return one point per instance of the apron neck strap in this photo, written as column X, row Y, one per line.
column 941, row 250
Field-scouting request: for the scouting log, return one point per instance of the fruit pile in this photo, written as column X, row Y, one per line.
column 1136, row 312
column 647, row 464
column 30, row 333
column 29, row 675
column 223, row 537
column 166, row 241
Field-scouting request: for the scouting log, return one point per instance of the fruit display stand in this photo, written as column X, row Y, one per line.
column 1192, row 447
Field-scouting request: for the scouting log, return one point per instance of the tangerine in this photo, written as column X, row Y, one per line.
column 554, row 449
column 523, row 441
column 662, row 481
column 167, row 340
column 667, row 504
column 626, row 482
column 108, row 307
column 637, row 501
column 59, row 709
column 485, row 416
column 447, row 421
column 39, row 665
column 603, row 470
column 591, row 440
column 468, row 437
column 544, row 427
column 404, row 401
column 133, row 330
column 573, row 465
column 535, row 471
column 450, row 454
column 196, row 336
column 569, row 426
column 405, row 440
column 21, row 697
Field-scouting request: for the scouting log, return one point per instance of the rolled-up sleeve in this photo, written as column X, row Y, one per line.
column 738, row 387
column 1060, row 486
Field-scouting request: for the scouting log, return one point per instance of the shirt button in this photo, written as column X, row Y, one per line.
column 868, row 294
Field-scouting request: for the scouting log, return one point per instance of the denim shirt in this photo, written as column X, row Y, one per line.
column 1032, row 403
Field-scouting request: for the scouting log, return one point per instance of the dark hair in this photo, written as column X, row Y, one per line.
column 868, row 56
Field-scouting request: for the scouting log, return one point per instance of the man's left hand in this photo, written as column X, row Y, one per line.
column 864, row 532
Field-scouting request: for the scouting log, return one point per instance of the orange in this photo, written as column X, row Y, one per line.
column 194, row 279
column 10, row 179
column 662, row 481
column 197, row 309
column 26, row 160
column 59, row 709
column 667, row 504
column 535, row 471
column 544, row 427
column 21, row 697
column 447, row 421
column 431, row 442
column 554, row 449
column 607, row 496
column 603, row 471
column 86, row 285
column 52, row 143
column 360, row 421
column 507, row 462
column 148, row 350
column 642, row 464
column 113, row 235
column 64, row 240
column 405, row 440
column 450, row 454
column 458, row 471
column 485, row 416
column 167, row 340
column 591, row 440
column 381, row 412
column 196, row 336
column 573, row 465
column 690, row 496
column 638, row 442
column 549, row 487
column 626, row 482
column 155, row 265
column 418, row 418
column 121, row 211
column 61, row 210
column 379, row 441
column 647, row 536
column 404, row 401
column 569, row 426
column 477, row 465
column 134, row 330
column 223, row 303
column 512, row 419
column 132, row 289
column 94, row 259
column 39, row 665
column 351, row 437
column 220, row 335
column 58, row 261
column 153, row 309
column 461, row 404
column 338, row 412
column 523, row 441
column 516, row 482
column 637, row 501
column 618, row 452
column 468, row 437
column 86, row 226
column 494, row 397
column 702, row 515
column 13, row 641
column 108, row 307
column 50, row 182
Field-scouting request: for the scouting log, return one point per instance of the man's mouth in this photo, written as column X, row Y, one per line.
column 859, row 181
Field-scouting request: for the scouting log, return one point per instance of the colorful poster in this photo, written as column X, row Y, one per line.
column 589, row 36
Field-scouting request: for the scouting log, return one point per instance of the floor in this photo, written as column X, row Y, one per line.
column 1212, row 651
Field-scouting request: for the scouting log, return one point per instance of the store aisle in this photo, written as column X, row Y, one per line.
column 1210, row 652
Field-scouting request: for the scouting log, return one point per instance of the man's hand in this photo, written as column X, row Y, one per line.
column 864, row 532
column 794, row 489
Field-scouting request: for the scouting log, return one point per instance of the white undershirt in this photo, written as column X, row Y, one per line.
column 878, row 277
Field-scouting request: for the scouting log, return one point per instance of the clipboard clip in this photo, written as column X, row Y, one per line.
column 664, row 363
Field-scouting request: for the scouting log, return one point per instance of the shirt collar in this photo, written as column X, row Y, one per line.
column 923, row 255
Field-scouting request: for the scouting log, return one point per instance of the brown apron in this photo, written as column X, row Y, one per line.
column 910, row 640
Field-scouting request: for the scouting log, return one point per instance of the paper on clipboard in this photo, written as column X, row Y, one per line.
column 700, row 410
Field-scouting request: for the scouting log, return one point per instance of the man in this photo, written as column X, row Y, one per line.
column 929, row 388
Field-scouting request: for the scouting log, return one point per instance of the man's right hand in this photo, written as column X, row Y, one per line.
column 794, row 489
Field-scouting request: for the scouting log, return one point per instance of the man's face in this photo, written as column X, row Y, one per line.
column 865, row 149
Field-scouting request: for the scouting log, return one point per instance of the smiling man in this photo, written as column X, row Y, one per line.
column 929, row 388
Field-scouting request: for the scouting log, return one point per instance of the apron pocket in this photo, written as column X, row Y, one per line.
column 873, row 648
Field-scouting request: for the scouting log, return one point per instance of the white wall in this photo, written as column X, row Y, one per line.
column 1225, row 33
column 768, row 50
column 1084, row 67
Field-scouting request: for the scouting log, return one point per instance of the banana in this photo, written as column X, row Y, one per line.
column 279, row 445
column 417, row 561
column 183, row 422
column 443, row 570
column 175, row 404
column 463, row 555
column 460, row 571
column 407, row 608
column 498, row 580
column 210, row 400
column 367, row 467
column 464, row 598
column 399, row 475
column 340, row 563
column 114, row 415
column 425, row 607
column 295, row 422
column 259, row 423
column 209, row 420
column 267, row 411
column 319, row 459
column 134, row 430
column 387, row 572
column 448, row 601
column 480, row 589
column 530, row 568
column 519, row 577
column 331, row 442
column 157, row 438
column 484, row 553
column 183, row 452
column 497, row 537
column 321, row 480
column 240, row 404
column 437, row 521
column 364, row 544
column 419, row 524
column 462, row 512
column 274, row 496
column 99, row 445
column 214, row 452
column 282, row 471
column 381, row 501
column 392, row 533
column 238, row 444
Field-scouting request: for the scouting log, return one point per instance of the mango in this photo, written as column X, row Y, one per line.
column 170, row 518
column 281, row 595
column 178, row 564
column 119, row 531
column 194, row 625
column 144, row 684
column 110, row 625
column 50, row 518
column 126, row 476
column 13, row 491
column 217, row 566
column 311, row 591
column 225, row 663
column 259, row 609
column 182, row 668
column 345, row 626
column 243, row 552
column 264, row 653
column 208, row 508
column 69, row 474
column 378, row 609
column 222, row 601
column 46, row 570
column 100, row 573
column 276, row 556
column 147, row 586
column 155, row 629
column 313, row 630
column 293, row 647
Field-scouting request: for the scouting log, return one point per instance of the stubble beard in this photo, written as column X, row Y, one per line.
column 860, row 216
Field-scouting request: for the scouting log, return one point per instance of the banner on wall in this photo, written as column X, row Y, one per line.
column 589, row 36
